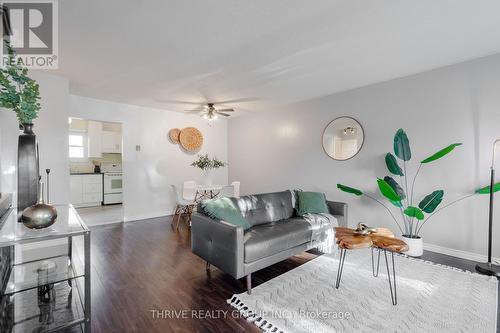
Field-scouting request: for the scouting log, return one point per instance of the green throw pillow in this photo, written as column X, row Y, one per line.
column 224, row 209
column 310, row 202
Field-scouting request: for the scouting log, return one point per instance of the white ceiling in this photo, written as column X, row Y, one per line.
column 276, row 51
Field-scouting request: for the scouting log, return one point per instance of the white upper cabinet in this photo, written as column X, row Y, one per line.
column 102, row 141
column 111, row 142
column 94, row 133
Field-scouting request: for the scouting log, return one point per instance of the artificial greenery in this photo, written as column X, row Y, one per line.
column 18, row 92
column 413, row 217
column 401, row 196
column 206, row 163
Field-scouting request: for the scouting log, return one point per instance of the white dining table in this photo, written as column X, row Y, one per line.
column 207, row 192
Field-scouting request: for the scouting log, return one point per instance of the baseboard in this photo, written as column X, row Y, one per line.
column 145, row 216
column 458, row 253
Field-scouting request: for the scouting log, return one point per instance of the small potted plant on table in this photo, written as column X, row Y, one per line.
column 207, row 164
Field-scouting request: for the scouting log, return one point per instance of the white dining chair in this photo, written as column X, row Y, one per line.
column 189, row 190
column 236, row 186
column 182, row 207
column 226, row 191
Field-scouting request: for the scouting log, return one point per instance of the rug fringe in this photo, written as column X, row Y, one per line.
column 250, row 316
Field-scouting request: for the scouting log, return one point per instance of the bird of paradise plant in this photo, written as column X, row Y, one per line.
column 401, row 195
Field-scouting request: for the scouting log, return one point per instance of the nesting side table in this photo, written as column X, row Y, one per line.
column 50, row 292
column 382, row 240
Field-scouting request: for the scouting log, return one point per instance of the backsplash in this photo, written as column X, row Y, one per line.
column 88, row 166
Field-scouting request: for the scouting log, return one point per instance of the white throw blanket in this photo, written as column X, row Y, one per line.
column 318, row 222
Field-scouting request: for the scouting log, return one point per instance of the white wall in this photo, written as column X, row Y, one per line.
column 149, row 172
column 461, row 103
column 51, row 128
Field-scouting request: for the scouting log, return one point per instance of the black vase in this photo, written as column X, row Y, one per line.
column 27, row 168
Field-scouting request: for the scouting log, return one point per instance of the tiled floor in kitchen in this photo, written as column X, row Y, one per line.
column 99, row 215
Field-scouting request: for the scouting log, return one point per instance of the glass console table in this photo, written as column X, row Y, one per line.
column 48, row 294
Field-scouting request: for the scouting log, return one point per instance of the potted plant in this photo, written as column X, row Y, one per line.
column 207, row 164
column 20, row 93
column 401, row 195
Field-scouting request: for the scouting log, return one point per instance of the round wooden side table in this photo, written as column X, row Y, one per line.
column 382, row 240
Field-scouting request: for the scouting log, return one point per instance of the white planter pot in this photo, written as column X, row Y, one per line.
column 207, row 177
column 416, row 246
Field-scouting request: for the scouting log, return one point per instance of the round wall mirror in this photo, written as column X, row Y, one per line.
column 343, row 138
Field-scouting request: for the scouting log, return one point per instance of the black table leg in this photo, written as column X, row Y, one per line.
column 341, row 267
column 394, row 296
column 375, row 272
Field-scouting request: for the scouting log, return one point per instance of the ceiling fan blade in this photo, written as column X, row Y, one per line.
column 223, row 114
column 195, row 110
column 226, row 110
column 238, row 100
column 171, row 101
column 246, row 110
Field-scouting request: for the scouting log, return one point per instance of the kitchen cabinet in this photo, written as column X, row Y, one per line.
column 94, row 135
column 111, row 142
column 101, row 141
column 86, row 190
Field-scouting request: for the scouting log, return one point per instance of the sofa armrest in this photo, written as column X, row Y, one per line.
column 219, row 243
column 339, row 210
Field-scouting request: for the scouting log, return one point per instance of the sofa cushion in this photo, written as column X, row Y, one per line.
column 224, row 209
column 267, row 239
column 310, row 203
column 265, row 208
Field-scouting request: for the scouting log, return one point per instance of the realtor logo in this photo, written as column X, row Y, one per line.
column 31, row 28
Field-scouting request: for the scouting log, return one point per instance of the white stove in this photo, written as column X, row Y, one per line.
column 113, row 184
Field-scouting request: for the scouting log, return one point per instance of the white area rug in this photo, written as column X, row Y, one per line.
column 431, row 298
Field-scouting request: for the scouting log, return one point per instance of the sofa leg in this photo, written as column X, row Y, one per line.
column 208, row 266
column 249, row 284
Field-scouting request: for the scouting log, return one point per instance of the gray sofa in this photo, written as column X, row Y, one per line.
column 276, row 234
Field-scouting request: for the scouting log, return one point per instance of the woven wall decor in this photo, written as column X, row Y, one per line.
column 191, row 139
column 173, row 135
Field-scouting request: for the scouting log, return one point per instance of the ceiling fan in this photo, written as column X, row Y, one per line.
column 210, row 113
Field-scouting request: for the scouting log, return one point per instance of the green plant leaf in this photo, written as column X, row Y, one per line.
column 431, row 201
column 392, row 165
column 398, row 204
column 486, row 189
column 348, row 189
column 441, row 153
column 402, row 145
column 414, row 212
column 387, row 190
column 395, row 186
column 18, row 92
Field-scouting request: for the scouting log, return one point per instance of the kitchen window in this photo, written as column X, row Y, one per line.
column 77, row 146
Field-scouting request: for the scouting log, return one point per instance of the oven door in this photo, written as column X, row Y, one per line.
column 112, row 183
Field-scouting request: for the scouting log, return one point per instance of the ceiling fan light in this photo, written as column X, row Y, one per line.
column 205, row 116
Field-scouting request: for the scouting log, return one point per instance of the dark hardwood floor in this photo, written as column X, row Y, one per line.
column 143, row 266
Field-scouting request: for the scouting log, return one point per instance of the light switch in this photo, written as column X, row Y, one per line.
column 137, row 147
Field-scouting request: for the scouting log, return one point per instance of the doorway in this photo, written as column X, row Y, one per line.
column 96, row 176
